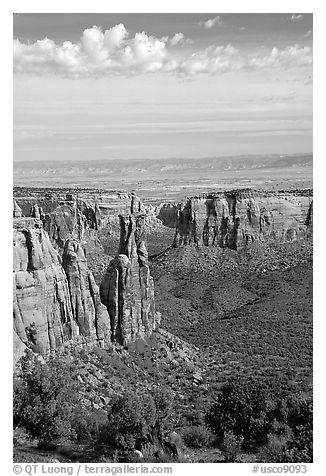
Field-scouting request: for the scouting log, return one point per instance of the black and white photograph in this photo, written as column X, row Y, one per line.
column 162, row 240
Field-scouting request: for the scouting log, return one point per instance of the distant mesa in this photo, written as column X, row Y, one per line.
column 234, row 219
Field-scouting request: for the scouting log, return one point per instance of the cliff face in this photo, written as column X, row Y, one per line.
column 127, row 289
column 52, row 303
column 67, row 214
column 236, row 219
column 57, row 300
column 17, row 211
column 42, row 309
column 88, row 312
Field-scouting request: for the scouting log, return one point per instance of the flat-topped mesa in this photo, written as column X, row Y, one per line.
column 53, row 304
column 234, row 219
column 127, row 289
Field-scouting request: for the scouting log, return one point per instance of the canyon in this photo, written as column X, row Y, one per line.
column 56, row 298
column 176, row 296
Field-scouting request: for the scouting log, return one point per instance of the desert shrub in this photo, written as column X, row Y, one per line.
column 231, row 446
column 275, row 451
column 194, row 418
column 299, row 418
column 196, row 436
column 136, row 420
column 244, row 407
column 47, row 402
column 129, row 419
column 278, row 425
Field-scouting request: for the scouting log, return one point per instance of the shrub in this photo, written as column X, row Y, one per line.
column 47, row 402
column 275, row 451
column 196, row 436
column 280, row 425
column 300, row 420
column 129, row 419
column 136, row 420
column 231, row 446
column 244, row 407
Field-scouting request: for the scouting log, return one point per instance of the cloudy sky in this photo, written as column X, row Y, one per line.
column 101, row 86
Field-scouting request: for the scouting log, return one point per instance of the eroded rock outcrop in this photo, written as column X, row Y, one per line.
column 17, row 211
column 64, row 223
column 127, row 289
column 42, row 308
column 36, row 212
column 53, row 304
column 235, row 219
column 56, row 300
column 66, row 213
column 88, row 312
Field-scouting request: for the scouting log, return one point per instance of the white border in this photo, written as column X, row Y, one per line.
column 168, row 6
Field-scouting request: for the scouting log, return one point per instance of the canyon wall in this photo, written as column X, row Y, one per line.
column 237, row 218
column 79, row 214
column 54, row 301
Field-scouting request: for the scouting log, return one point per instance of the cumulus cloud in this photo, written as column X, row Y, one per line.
column 208, row 24
column 292, row 56
column 296, row 18
column 115, row 52
column 97, row 52
column 179, row 39
column 213, row 60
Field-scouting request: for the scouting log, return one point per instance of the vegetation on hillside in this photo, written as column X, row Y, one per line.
column 268, row 421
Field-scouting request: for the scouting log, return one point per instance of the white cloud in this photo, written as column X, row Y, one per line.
column 208, row 24
column 292, row 56
column 308, row 34
column 97, row 52
column 213, row 60
column 114, row 52
column 296, row 18
column 179, row 39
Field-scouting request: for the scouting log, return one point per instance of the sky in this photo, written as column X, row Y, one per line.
column 131, row 86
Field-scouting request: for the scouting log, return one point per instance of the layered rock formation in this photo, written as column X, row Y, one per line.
column 17, row 211
column 70, row 214
column 237, row 218
column 127, row 289
column 88, row 312
column 56, row 299
column 52, row 303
